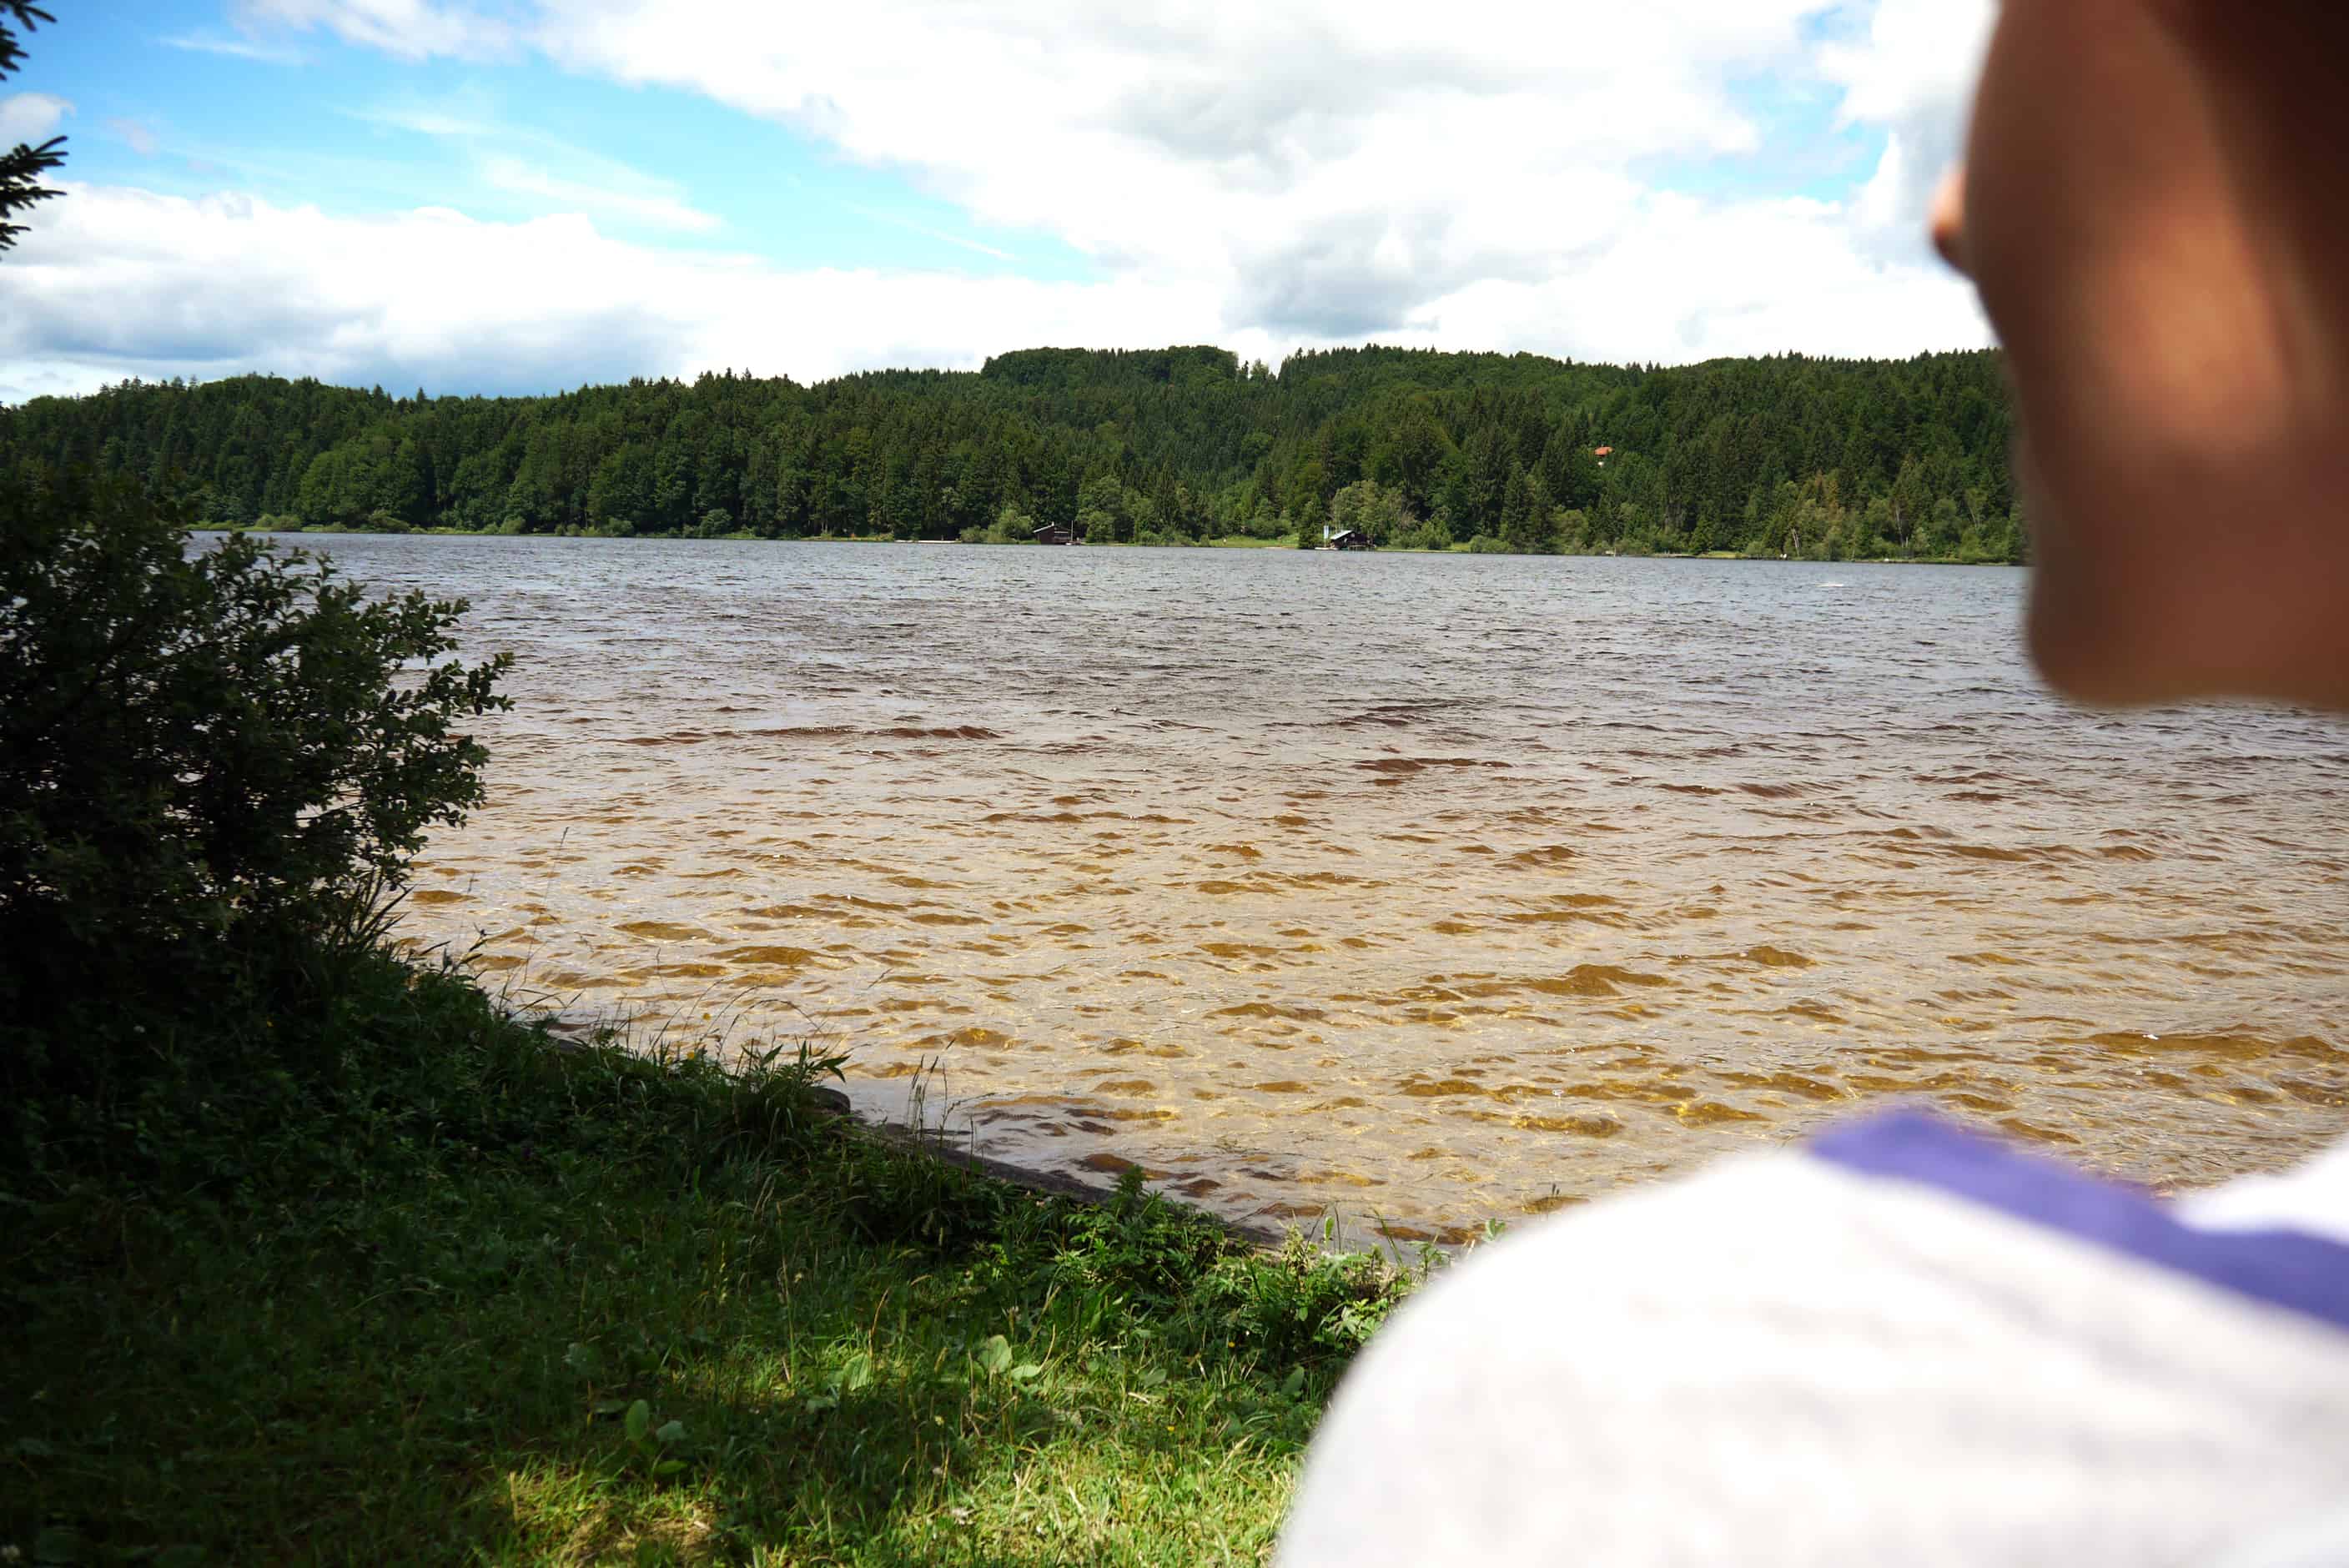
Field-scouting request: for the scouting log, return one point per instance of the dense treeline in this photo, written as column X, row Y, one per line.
column 1780, row 456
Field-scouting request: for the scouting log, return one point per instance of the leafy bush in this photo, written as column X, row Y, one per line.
column 1011, row 526
column 1432, row 534
column 1372, row 509
column 1264, row 523
column 213, row 764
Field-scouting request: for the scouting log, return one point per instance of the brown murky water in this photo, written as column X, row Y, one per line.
column 1428, row 888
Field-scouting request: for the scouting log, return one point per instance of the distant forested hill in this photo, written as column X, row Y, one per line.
column 1786, row 455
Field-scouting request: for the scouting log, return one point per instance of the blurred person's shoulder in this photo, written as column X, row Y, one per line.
column 1905, row 1342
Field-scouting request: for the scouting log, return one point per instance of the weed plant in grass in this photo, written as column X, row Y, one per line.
column 481, row 1299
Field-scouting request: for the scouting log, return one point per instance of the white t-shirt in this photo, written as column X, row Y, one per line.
column 1905, row 1344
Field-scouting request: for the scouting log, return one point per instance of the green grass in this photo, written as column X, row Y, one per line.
column 442, row 1293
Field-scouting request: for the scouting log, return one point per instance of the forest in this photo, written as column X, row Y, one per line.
column 1782, row 456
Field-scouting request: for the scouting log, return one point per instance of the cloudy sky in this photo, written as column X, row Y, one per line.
column 527, row 195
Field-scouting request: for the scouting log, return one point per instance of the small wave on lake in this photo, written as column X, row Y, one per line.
column 1427, row 888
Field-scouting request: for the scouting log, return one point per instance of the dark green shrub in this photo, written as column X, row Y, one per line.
column 214, row 763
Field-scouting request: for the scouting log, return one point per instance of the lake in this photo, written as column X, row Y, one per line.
column 1423, row 889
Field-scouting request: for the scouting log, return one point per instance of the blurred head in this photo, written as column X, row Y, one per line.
column 2151, row 209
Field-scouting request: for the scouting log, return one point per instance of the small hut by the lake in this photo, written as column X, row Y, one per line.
column 1349, row 539
column 1056, row 533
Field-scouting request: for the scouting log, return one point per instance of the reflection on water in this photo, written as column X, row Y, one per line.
column 1432, row 888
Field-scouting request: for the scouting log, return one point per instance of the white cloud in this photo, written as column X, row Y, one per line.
column 1660, row 293
column 233, row 49
column 1264, row 177
column 411, row 29
column 1332, row 166
column 114, row 283
column 875, row 215
column 139, row 139
column 519, row 178
column 1329, row 166
column 30, row 117
column 1919, row 58
column 431, row 119
column 1913, row 72
column 519, row 161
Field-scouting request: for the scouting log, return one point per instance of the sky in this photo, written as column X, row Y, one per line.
column 520, row 196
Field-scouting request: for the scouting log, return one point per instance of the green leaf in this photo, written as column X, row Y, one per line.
column 1294, row 1384
column 1023, row 1373
column 668, row 1467
column 820, row 1402
column 670, row 1432
column 58, row 1545
column 640, row 1420
column 994, row 1354
column 582, row 1359
column 610, row 1406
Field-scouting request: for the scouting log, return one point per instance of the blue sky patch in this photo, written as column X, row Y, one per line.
column 172, row 99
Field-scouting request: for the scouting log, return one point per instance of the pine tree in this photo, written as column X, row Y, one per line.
column 21, row 166
column 1524, row 515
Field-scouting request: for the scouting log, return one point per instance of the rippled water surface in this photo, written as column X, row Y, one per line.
column 1429, row 888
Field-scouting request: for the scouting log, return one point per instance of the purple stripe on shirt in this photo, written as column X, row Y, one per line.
column 2287, row 1268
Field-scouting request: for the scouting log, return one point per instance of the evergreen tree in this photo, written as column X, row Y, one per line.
column 1698, row 456
column 1526, row 525
column 22, row 167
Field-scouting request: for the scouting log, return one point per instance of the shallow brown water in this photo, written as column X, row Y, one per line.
column 1429, row 888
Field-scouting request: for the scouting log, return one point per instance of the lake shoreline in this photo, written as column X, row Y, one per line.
column 1234, row 543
